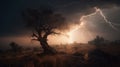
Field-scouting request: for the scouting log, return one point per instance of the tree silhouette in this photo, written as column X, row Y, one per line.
column 15, row 47
column 43, row 22
column 97, row 41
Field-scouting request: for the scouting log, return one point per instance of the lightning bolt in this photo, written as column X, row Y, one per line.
column 99, row 11
column 82, row 19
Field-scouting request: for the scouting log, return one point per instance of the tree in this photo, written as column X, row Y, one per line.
column 15, row 47
column 97, row 41
column 44, row 22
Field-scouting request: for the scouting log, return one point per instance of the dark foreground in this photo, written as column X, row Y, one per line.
column 96, row 58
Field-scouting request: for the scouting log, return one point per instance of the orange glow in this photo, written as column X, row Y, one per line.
column 77, row 34
column 70, row 34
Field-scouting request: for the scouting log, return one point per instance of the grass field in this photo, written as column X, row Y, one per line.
column 80, row 55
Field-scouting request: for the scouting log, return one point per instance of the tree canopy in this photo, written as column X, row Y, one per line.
column 44, row 22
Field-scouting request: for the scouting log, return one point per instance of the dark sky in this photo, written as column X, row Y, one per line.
column 11, row 19
column 12, row 24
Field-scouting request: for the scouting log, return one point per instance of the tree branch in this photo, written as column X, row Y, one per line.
column 35, row 39
column 34, row 35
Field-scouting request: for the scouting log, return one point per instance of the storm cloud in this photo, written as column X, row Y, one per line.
column 13, row 25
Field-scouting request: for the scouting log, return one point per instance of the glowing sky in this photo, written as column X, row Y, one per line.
column 106, row 24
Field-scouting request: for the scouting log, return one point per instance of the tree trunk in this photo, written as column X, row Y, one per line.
column 46, row 48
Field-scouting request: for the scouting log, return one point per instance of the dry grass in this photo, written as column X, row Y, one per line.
column 73, row 56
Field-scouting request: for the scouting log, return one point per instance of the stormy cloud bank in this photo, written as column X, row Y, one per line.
column 13, row 25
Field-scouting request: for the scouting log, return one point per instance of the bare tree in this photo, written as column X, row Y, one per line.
column 43, row 22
